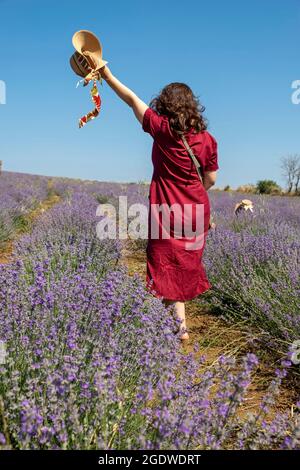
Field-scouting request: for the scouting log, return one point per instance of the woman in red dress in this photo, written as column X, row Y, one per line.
column 175, row 242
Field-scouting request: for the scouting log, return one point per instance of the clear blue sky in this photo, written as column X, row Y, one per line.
column 240, row 57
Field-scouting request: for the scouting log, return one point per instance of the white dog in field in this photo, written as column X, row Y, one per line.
column 243, row 206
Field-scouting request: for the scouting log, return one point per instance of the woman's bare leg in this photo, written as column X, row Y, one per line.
column 180, row 313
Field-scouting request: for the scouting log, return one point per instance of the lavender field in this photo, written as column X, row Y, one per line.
column 91, row 360
column 19, row 194
column 254, row 264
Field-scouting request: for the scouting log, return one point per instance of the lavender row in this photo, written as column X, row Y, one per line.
column 19, row 193
column 253, row 261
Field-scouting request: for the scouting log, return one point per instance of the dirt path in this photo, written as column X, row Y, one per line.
column 7, row 252
column 214, row 337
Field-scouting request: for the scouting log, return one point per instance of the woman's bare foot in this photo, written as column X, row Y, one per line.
column 180, row 313
column 184, row 336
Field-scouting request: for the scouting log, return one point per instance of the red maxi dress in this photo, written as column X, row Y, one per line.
column 174, row 269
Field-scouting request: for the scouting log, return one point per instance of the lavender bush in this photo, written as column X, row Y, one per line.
column 253, row 261
column 66, row 235
column 19, row 193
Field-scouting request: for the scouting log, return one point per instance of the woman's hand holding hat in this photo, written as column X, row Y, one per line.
column 105, row 73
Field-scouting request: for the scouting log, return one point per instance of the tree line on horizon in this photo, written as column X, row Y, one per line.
column 290, row 166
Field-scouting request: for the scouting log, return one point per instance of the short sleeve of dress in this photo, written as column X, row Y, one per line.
column 152, row 122
column 211, row 163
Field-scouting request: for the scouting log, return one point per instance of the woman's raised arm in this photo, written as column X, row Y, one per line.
column 127, row 95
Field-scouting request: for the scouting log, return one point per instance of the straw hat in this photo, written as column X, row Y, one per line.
column 88, row 55
column 245, row 205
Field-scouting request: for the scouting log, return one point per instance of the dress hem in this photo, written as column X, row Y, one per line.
column 182, row 299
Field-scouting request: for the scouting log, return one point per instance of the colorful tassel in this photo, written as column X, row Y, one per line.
column 96, row 100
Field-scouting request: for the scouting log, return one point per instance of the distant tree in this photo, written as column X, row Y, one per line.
column 290, row 166
column 297, row 180
column 227, row 188
column 267, row 187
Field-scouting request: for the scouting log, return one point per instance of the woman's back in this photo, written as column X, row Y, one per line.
column 169, row 156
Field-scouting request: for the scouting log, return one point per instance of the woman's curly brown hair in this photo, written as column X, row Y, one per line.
column 181, row 106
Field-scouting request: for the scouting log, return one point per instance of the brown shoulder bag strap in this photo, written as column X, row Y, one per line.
column 192, row 156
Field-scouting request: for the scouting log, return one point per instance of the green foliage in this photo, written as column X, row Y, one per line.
column 102, row 199
column 267, row 187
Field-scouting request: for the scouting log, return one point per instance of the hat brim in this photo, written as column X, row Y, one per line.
column 101, row 64
column 86, row 40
